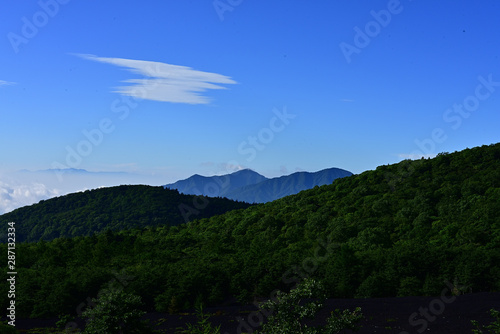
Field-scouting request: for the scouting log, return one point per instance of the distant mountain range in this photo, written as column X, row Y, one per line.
column 251, row 187
column 70, row 171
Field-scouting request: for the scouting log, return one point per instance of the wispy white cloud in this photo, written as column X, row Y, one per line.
column 165, row 82
column 222, row 168
column 415, row 156
column 230, row 167
column 6, row 83
column 15, row 195
column 346, row 100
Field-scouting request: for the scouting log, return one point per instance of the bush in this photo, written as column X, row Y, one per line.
column 116, row 312
column 289, row 312
column 493, row 328
column 7, row 329
column 64, row 320
column 203, row 326
column 346, row 319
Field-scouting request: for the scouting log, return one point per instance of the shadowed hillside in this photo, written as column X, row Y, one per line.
column 114, row 208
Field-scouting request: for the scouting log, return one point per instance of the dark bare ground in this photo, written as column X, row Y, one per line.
column 381, row 315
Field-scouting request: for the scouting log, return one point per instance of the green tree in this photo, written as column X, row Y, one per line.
column 115, row 312
column 290, row 310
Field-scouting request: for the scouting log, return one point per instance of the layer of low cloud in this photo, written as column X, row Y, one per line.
column 165, row 82
column 15, row 195
column 21, row 188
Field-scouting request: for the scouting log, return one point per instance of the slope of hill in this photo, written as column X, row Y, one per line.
column 113, row 208
column 424, row 227
column 218, row 185
column 251, row 187
column 273, row 189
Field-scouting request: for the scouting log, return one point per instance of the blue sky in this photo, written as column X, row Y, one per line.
column 161, row 90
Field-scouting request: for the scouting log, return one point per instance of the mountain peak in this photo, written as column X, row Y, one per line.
column 246, row 171
column 249, row 186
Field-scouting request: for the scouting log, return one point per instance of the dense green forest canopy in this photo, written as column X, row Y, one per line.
column 114, row 208
column 412, row 228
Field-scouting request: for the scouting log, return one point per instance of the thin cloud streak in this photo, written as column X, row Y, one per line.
column 165, row 82
column 6, row 83
column 223, row 168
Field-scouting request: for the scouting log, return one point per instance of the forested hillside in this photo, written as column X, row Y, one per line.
column 412, row 228
column 114, row 208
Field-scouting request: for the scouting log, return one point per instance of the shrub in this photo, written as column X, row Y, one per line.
column 289, row 312
column 203, row 326
column 115, row 312
column 493, row 328
column 7, row 329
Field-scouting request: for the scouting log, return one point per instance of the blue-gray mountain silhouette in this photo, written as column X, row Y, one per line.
column 251, row 187
column 218, row 185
